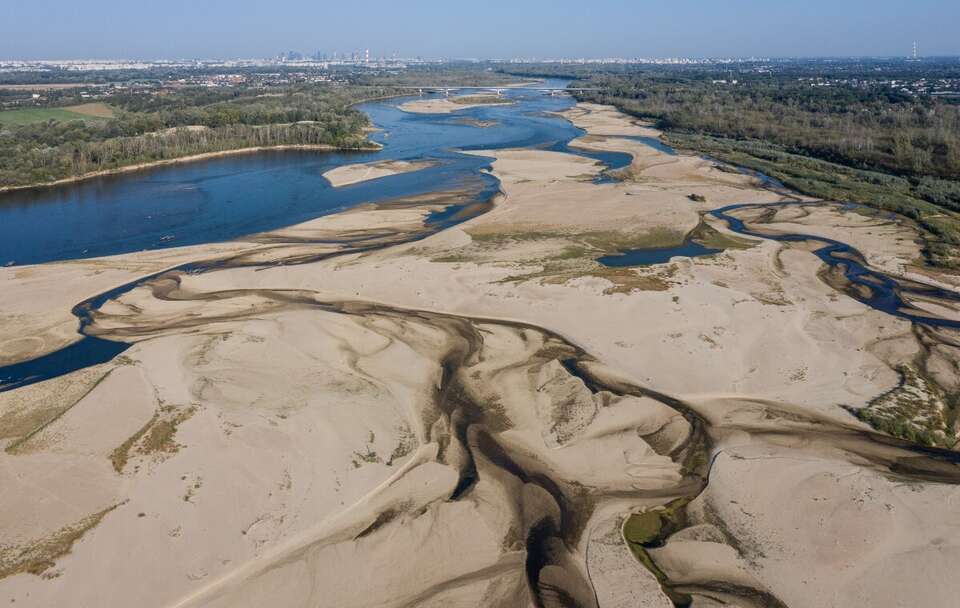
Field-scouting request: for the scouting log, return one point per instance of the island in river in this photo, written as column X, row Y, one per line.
column 445, row 392
column 346, row 175
column 447, row 105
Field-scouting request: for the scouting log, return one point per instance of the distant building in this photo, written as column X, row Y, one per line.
column 290, row 56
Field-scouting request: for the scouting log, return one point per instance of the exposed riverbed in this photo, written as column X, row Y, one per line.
column 228, row 197
column 450, row 368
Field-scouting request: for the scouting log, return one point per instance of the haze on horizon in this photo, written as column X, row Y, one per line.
column 100, row 29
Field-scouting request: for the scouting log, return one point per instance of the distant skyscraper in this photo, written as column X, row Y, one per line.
column 366, row 55
column 916, row 50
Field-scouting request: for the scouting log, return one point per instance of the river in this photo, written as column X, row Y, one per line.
column 228, row 197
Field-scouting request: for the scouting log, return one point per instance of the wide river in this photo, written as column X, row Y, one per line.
column 228, row 197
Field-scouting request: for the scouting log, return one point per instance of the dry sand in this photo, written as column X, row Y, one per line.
column 468, row 419
column 449, row 105
column 361, row 172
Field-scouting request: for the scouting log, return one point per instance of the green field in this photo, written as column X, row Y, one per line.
column 479, row 99
column 31, row 115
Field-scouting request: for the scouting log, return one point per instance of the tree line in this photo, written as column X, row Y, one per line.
column 869, row 128
column 837, row 131
column 183, row 123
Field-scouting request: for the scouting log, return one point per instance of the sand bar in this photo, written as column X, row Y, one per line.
column 486, row 394
column 361, row 172
column 448, row 105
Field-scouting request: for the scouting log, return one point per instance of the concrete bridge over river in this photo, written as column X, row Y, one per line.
column 446, row 91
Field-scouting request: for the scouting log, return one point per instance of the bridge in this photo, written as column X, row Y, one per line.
column 498, row 90
column 447, row 90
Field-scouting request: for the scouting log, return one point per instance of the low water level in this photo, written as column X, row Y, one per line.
column 659, row 255
column 228, row 197
column 878, row 290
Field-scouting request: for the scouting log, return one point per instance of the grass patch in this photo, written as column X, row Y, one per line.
column 916, row 410
column 575, row 256
column 95, row 110
column 713, row 239
column 454, row 258
column 155, row 437
column 39, row 556
column 611, row 242
column 27, row 116
column 473, row 100
column 504, row 237
column 601, row 242
column 574, row 262
column 933, row 203
column 650, row 529
column 121, row 454
column 36, row 423
column 643, row 528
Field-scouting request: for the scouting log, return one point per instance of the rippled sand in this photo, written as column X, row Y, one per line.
column 469, row 417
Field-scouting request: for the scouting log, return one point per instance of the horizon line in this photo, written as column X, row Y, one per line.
column 635, row 59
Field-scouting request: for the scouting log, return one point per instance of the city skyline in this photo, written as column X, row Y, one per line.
column 221, row 30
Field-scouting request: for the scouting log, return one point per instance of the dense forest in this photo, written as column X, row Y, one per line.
column 866, row 128
column 180, row 122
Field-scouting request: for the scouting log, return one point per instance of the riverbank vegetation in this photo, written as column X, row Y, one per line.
column 883, row 134
column 453, row 74
column 163, row 113
column 174, row 123
column 876, row 133
column 90, row 111
column 478, row 100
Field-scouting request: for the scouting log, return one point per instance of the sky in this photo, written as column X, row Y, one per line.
column 179, row 29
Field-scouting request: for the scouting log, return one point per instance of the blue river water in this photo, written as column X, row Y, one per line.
column 656, row 255
column 228, row 197
column 877, row 290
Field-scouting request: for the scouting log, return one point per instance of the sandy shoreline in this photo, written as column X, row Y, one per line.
column 361, row 172
column 489, row 394
column 187, row 159
column 448, row 105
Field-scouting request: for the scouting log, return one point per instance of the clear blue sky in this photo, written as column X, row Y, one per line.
column 35, row 29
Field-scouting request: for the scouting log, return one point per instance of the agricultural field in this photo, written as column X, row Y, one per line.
column 86, row 111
